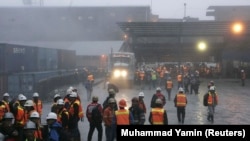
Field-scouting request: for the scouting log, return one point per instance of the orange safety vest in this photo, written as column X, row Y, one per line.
column 169, row 84
column 59, row 115
column 142, row 74
column 157, row 116
column 27, row 114
column 210, row 99
column 20, row 117
column 38, row 106
column 90, row 77
column 179, row 78
column 71, row 109
column 7, row 107
column 2, row 111
column 181, row 100
column 38, row 133
column 122, row 117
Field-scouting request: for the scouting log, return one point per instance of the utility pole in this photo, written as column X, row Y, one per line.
column 184, row 11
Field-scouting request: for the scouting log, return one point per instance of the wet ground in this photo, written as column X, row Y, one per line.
column 233, row 107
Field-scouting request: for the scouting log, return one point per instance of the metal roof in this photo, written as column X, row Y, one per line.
column 200, row 28
column 161, row 41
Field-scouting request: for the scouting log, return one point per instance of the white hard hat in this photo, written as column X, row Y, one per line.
column 158, row 89
column 69, row 91
column 29, row 103
column 73, row 94
column 6, row 94
column 141, row 94
column 71, row 87
column 242, row 70
column 35, row 94
column 21, row 97
column 30, row 125
column 181, row 89
column 212, row 88
column 51, row 115
column 60, row 102
column 34, row 114
column 57, row 95
column 8, row 115
column 158, row 101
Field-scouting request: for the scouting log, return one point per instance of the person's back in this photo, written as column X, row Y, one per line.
column 158, row 115
column 157, row 95
column 111, row 94
column 122, row 115
column 95, row 116
column 137, row 112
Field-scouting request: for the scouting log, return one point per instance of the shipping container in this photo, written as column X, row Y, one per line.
column 20, row 58
column 47, row 59
column 66, row 59
column 16, row 58
column 3, row 84
column 27, row 83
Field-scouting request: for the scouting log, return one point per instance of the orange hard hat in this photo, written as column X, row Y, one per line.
column 122, row 103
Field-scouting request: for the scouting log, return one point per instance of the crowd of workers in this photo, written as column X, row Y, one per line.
column 21, row 117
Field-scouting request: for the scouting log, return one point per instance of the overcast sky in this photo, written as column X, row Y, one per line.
column 163, row 8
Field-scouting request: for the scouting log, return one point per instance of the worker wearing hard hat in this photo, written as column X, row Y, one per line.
column 38, row 105
column 54, row 127
column 7, row 127
column 137, row 112
column 158, row 115
column 108, row 115
column 180, row 102
column 157, row 95
column 29, row 132
column 123, row 116
column 111, row 94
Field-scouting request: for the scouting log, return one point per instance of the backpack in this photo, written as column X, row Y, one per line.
column 205, row 97
column 96, row 115
column 12, row 106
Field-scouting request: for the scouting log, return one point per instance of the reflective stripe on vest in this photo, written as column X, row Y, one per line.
column 210, row 99
column 71, row 109
column 122, row 117
column 157, row 116
column 7, row 107
column 20, row 117
column 59, row 115
column 169, row 84
column 38, row 107
column 181, row 100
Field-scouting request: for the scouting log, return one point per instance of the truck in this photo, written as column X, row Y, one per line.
column 122, row 68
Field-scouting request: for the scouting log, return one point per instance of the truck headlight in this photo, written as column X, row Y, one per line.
column 117, row 73
column 124, row 73
column 120, row 73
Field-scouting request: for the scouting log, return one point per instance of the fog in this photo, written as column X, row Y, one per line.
column 163, row 8
column 64, row 22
